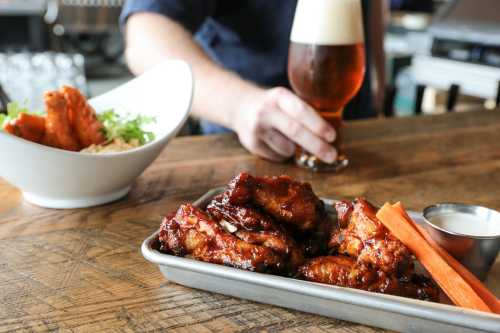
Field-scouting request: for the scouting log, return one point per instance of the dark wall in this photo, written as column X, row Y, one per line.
column 413, row 5
column 23, row 32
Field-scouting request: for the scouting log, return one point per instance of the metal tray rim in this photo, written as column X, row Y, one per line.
column 416, row 308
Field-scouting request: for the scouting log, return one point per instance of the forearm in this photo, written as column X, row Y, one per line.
column 218, row 93
column 269, row 122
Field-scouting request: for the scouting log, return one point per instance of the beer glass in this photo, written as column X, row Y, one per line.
column 326, row 65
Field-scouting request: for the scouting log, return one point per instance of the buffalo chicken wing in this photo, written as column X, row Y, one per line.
column 59, row 133
column 82, row 117
column 27, row 126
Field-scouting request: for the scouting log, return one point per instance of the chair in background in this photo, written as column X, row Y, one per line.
column 465, row 53
column 452, row 98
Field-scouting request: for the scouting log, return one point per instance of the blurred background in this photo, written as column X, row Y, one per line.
column 441, row 55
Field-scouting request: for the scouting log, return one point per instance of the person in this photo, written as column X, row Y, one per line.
column 238, row 53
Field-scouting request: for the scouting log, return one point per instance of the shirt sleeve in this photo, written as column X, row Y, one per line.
column 190, row 13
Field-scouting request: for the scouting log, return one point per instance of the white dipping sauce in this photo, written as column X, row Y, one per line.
column 467, row 224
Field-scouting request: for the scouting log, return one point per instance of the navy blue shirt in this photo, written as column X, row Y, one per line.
column 249, row 37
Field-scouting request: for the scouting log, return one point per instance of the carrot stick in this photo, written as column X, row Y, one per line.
column 480, row 289
column 457, row 289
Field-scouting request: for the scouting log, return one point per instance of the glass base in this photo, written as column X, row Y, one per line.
column 311, row 162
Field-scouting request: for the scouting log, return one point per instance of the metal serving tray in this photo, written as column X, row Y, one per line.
column 384, row 311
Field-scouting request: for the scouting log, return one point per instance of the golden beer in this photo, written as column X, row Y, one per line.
column 326, row 64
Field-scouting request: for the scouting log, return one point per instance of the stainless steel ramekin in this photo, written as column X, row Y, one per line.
column 477, row 253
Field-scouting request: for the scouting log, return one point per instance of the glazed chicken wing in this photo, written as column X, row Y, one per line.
column 291, row 203
column 243, row 216
column 347, row 272
column 315, row 242
column 363, row 236
column 58, row 133
column 272, row 225
column 256, row 227
column 27, row 126
column 191, row 232
column 83, row 118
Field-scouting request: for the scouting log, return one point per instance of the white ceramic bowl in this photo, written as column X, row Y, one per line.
column 56, row 178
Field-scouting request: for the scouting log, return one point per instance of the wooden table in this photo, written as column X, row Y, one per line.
column 81, row 270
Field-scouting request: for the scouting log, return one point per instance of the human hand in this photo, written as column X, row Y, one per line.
column 270, row 123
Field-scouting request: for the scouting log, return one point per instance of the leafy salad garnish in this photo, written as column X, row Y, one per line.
column 13, row 111
column 126, row 127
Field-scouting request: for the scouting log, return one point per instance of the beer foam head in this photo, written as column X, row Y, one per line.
column 328, row 22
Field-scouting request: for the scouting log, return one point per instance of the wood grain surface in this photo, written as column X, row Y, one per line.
column 81, row 270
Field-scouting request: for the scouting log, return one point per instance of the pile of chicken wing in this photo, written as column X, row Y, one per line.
column 279, row 226
column 70, row 122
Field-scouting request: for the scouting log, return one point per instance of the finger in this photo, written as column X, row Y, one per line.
column 278, row 142
column 266, row 152
column 305, row 114
column 301, row 135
